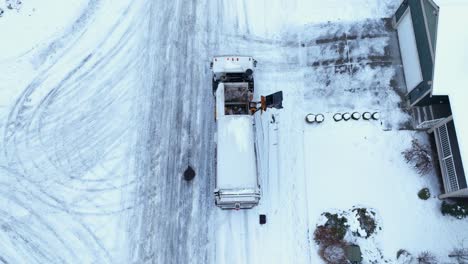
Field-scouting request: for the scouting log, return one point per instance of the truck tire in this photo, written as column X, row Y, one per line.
column 252, row 86
column 215, row 86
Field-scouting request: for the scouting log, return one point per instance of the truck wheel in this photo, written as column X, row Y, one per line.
column 215, row 86
column 252, row 86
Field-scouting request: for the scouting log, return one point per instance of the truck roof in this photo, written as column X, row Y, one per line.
column 232, row 63
column 236, row 164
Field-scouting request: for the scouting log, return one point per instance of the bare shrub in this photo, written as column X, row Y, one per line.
column 460, row 255
column 326, row 236
column 404, row 257
column 426, row 258
column 420, row 156
column 366, row 219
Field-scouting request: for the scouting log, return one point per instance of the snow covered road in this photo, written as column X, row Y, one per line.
column 177, row 131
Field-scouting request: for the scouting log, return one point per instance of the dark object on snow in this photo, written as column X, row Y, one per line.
column 346, row 116
column 356, row 116
column 338, row 117
column 426, row 257
column 366, row 116
column 274, row 100
column 367, row 222
column 376, row 116
column 319, row 118
column 262, row 219
column 1, row 12
column 189, row 174
column 424, row 194
column 353, row 254
column 457, row 209
column 310, row 118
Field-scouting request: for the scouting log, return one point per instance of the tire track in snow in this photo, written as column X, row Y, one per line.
column 173, row 226
column 68, row 148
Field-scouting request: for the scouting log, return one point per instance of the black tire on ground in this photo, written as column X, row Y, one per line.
column 366, row 116
column 346, row 116
column 319, row 118
column 337, row 117
column 310, row 118
column 356, row 116
column 376, row 116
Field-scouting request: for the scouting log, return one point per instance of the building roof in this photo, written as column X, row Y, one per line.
column 451, row 66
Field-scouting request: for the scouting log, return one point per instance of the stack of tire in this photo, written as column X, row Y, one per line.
column 312, row 118
column 356, row 116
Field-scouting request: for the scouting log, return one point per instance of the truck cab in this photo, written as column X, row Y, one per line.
column 237, row 183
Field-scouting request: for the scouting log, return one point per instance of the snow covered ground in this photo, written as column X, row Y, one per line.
column 104, row 104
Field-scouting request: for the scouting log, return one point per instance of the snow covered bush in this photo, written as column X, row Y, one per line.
column 330, row 237
column 460, row 255
column 325, row 236
column 334, row 254
column 404, row 257
column 456, row 210
column 366, row 219
column 338, row 223
column 420, row 156
column 424, row 194
column 426, row 258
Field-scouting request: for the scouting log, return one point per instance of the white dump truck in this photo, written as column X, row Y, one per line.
column 237, row 183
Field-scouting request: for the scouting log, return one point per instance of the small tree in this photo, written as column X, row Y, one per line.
column 460, row 255
column 420, row 156
column 404, row 257
column 424, row 194
column 426, row 258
